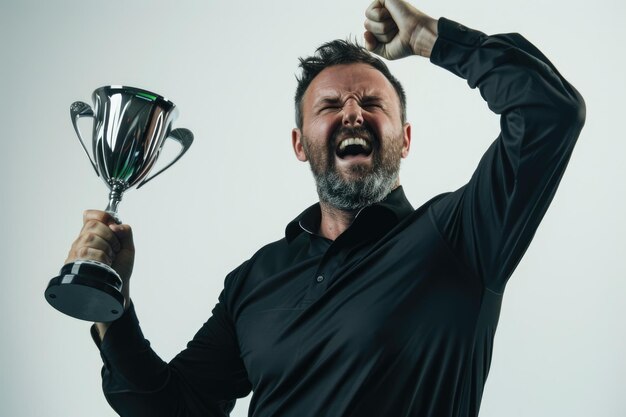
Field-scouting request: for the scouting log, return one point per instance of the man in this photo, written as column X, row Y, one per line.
column 367, row 307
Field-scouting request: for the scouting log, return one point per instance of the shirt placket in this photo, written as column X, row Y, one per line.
column 367, row 227
column 325, row 273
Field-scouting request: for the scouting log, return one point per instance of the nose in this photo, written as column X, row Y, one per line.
column 352, row 114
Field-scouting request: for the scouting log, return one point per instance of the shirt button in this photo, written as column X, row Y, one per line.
column 319, row 278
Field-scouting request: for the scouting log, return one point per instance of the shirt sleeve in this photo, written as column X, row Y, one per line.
column 203, row 380
column 490, row 221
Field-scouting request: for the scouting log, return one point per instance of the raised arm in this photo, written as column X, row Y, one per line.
column 490, row 221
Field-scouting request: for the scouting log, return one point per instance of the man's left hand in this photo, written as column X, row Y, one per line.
column 395, row 29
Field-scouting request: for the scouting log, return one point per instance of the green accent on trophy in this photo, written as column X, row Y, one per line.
column 147, row 96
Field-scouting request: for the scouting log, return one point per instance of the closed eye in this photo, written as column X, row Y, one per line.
column 329, row 104
column 371, row 102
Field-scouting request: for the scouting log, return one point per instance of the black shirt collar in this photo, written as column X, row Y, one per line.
column 395, row 207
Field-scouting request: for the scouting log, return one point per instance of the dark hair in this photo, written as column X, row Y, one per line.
column 339, row 52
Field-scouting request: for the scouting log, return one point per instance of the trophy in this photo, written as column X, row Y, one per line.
column 130, row 127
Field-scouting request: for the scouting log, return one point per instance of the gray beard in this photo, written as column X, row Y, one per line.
column 356, row 194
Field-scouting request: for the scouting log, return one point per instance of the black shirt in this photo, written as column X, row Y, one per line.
column 397, row 316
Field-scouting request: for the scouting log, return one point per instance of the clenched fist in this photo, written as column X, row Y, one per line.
column 395, row 29
column 102, row 239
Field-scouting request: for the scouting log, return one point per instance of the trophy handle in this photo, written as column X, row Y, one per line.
column 180, row 135
column 80, row 109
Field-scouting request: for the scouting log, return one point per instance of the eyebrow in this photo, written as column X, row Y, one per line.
column 328, row 100
column 369, row 98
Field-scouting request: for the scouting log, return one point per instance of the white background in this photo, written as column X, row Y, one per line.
column 229, row 66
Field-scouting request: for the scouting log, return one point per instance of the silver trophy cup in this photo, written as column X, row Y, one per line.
column 129, row 130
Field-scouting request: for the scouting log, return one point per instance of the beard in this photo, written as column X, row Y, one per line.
column 363, row 185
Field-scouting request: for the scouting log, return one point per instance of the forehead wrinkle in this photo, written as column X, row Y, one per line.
column 350, row 74
column 333, row 95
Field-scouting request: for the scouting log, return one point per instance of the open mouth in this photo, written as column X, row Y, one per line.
column 353, row 147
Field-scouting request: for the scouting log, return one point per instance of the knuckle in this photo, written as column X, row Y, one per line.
column 389, row 26
column 82, row 252
column 381, row 13
column 92, row 254
column 89, row 238
column 91, row 214
column 93, row 223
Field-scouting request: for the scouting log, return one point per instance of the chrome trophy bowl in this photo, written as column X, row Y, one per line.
column 130, row 127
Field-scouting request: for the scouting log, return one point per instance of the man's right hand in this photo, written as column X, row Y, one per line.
column 102, row 239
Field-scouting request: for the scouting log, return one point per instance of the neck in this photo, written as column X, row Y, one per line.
column 335, row 221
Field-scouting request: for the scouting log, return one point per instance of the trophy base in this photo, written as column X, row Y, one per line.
column 87, row 290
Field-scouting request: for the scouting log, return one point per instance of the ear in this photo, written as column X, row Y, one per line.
column 406, row 140
column 296, row 142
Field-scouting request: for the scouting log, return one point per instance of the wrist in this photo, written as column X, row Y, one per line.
column 424, row 37
column 101, row 328
column 126, row 294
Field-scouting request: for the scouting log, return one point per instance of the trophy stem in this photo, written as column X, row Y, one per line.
column 115, row 196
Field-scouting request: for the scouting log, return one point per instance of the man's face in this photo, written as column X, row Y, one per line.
column 352, row 135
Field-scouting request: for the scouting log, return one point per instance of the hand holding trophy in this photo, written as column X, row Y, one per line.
column 130, row 128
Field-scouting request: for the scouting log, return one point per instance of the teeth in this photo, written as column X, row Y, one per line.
column 353, row 141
